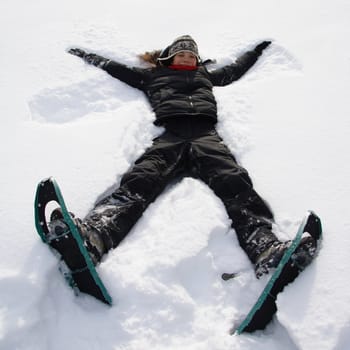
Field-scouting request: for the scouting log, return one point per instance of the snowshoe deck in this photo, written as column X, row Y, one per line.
column 264, row 309
column 75, row 262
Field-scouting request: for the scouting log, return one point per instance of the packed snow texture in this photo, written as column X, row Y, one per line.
column 287, row 121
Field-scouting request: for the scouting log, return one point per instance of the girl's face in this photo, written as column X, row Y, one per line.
column 185, row 58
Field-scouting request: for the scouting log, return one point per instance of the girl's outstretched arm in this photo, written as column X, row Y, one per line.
column 227, row 74
column 132, row 76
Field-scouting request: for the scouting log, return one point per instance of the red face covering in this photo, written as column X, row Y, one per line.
column 182, row 67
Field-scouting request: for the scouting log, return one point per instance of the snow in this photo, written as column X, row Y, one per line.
column 287, row 121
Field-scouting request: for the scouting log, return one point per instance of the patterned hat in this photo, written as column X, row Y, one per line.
column 180, row 44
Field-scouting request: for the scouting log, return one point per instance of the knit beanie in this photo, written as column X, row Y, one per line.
column 180, row 44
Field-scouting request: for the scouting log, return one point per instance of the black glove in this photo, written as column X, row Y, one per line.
column 95, row 60
column 77, row 52
column 261, row 47
column 89, row 58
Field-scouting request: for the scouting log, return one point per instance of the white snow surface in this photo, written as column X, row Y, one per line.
column 287, row 122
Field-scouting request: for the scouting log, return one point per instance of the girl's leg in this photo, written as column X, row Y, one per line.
column 114, row 216
column 251, row 216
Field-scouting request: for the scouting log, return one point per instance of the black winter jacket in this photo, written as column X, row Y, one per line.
column 178, row 93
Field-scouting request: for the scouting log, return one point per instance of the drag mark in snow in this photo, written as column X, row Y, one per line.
column 62, row 104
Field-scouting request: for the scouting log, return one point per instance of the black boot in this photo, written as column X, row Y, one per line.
column 271, row 257
column 92, row 240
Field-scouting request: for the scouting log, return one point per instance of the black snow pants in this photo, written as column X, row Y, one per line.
column 188, row 147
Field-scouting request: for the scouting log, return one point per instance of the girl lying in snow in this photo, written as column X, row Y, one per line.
column 179, row 88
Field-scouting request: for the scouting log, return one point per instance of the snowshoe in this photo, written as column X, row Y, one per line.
column 288, row 259
column 68, row 238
